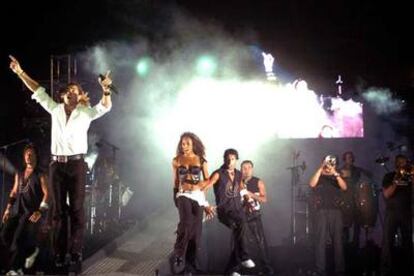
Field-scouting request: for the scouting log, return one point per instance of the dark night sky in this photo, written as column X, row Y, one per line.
column 362, row 40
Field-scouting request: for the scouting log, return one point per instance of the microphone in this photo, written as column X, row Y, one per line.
column 111, row 86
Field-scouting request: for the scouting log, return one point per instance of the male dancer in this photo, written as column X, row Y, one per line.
column 257, row 191
column 229, row 190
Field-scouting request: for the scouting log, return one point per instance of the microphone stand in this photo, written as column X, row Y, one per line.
column 111, row 187
column 3, row 189
column 294, row 180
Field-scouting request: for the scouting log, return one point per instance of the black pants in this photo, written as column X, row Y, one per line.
column 329, row 226
column 235, row 219
column 187, row 245
column 69, row 179
column 257, row 233
column 392, row 221
column 23, row 241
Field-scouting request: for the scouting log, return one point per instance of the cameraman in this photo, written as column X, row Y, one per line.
column 328, row 183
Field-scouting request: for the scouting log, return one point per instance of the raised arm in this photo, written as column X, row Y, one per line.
column 106, row 87
column 30, row 83
column 315, row 178
column 341, row 181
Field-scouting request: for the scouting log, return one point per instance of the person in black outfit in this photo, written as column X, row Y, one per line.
column 29, row 199
column 228, row 191
column 353, row 175
column 188, row 166
column 328, row 183
column 397, row 187
column 257, row 191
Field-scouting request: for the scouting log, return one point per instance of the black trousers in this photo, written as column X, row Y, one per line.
column 392, row 221
column 257, row 233
column 235, row 219
column 329, row 226
column 187, row 245
column 69, row 180
column 23, row 240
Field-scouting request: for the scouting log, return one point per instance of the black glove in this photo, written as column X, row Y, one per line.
column 175, row 191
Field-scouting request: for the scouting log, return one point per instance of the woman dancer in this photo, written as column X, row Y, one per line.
column 188, row 166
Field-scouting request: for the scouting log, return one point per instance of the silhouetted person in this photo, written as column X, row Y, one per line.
column 328, row 184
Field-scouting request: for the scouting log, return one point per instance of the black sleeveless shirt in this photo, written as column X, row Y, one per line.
column 30, row 193
column 227, row 192
column 253, row 184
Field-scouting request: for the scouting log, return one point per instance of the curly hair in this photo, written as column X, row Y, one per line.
column 198, row 146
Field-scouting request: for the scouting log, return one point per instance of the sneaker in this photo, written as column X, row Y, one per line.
column 234, row 273
column 248, row 263
column 31, row 259
column 177, row 265
column 15, row 272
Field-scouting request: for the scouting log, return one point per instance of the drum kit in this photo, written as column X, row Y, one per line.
column 103, row 198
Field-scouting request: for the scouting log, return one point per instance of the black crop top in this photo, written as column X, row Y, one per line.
column 193, row 171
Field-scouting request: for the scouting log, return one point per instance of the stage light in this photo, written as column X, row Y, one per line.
column 206, row 65
column 143, row 66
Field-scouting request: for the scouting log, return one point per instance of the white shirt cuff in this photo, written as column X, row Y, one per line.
column 101, row 108
column 38, row 95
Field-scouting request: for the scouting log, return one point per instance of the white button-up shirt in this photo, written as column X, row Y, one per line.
column 69, row 137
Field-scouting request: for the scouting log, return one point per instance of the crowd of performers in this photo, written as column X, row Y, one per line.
column 58, row 200
column 335, row 192
column 238, row 197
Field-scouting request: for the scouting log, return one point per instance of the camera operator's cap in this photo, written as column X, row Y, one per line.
column 330, row 159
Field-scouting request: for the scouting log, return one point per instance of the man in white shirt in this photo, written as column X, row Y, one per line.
column 70, row 123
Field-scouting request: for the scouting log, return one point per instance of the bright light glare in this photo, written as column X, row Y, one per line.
column 206, row 65
column 143, row 66
column 244, row 115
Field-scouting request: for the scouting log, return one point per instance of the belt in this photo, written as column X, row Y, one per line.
column 66, row 158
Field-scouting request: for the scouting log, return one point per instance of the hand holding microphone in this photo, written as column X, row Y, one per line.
column 106, row 82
